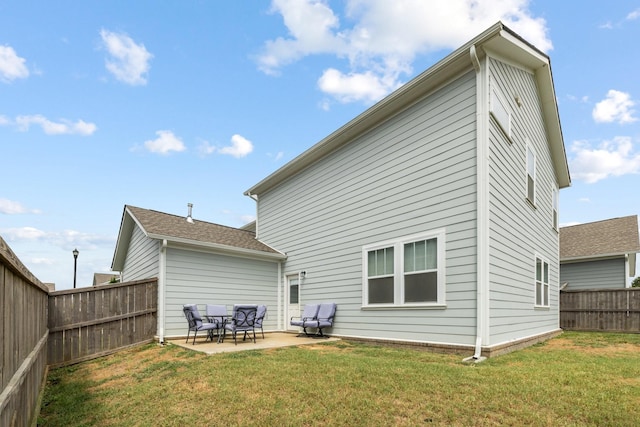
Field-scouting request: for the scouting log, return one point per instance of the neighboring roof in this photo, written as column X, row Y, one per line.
column 103, row 278
column 602, row 239
column 176, row 229
column 498, row 40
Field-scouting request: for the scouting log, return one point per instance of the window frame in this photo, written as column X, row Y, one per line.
column 399, row 270
column 543, row 285
column 531, row 150
column 555, row 201
column 499, row 111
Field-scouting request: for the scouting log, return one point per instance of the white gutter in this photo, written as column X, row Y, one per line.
column 161, row 290
column 482, row 178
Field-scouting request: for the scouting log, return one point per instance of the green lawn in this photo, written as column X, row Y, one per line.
column 576, row 379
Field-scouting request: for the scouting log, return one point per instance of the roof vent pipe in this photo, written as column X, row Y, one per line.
column 189, row 218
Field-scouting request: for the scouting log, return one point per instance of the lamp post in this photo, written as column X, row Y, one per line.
column 75, row 266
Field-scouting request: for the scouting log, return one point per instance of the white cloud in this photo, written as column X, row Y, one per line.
column 584, row 200
column 610, row 158
column 129, row 62
column 164, row 143
column 633, row 15
column 240, row 147
column 367, row 86
column 63, row 239
column 9, row 207
column 63, row 127
column 385, row 37
column 616, row 107
column 11, row 65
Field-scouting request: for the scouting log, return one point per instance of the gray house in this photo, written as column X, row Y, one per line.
column 196, row 262
column 599, row 255
column 431, row 218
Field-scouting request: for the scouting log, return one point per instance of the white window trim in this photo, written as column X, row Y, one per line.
column 555, row 207
column 535, row 280
column 398, row 271
column 529, row 147
column 500, row 112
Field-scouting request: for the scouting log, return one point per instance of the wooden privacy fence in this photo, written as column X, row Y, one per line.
column 86, row 323
column 23, row 340
column 613, row 310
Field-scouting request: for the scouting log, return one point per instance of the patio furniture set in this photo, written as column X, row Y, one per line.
column 246, row 318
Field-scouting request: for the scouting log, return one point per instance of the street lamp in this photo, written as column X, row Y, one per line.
column 75, row 266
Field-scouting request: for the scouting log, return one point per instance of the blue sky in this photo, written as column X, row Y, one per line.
column 160, row 104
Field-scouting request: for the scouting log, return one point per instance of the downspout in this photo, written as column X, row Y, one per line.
column 627, row 283
column 280, row 293
column 161, row 290
column 482, row 178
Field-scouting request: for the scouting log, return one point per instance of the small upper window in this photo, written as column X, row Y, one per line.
column 554, row 201
column 531, row 174
column 499, row 111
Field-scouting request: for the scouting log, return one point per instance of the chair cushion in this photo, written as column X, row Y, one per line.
column 310, row 311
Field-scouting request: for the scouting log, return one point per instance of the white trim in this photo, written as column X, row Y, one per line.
column 529, row 147
column 555, row 207
column 483, row 206
column 162, row 280
column 498, row 109
column 544, row 261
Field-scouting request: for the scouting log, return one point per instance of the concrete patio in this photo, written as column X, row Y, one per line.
column 271, row 340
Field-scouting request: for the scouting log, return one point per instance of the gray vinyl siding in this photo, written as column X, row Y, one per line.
column 608, row 273
column 142, row 260
column 519, row 231
column 414, row 173
column 202, row 278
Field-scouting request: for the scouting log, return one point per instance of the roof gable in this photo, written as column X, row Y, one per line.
column 601, row 239
column 176, row 229
column 498, row 39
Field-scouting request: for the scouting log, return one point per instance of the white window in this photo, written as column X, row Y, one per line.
column 531, row 174
column 542, row 283
column 499, row 111
column 554, row 202
column 406, row 271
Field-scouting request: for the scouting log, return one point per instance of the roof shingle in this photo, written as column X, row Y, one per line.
column 172, row 226
column 616, row 236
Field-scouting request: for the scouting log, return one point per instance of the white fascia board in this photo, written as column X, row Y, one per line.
column 599, row 257
column 231, row 250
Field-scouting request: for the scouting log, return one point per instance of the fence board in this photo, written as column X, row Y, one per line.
column 92, row 322
column 23, row 339
column 613, row 310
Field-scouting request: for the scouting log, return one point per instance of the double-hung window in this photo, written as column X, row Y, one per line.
column 542, row 283
column 404, row 272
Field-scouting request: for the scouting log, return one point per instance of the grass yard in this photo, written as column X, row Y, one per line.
column 576, row 379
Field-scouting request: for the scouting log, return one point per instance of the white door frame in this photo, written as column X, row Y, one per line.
column 288, row 311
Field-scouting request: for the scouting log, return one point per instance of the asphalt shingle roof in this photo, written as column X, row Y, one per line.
column 174, row 226
column 615, row 236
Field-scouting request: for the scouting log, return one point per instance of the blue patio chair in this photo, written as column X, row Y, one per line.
column 309, row 314
column 243, row 319
column 262, row 311
column 195, row 322
column 324, row 319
